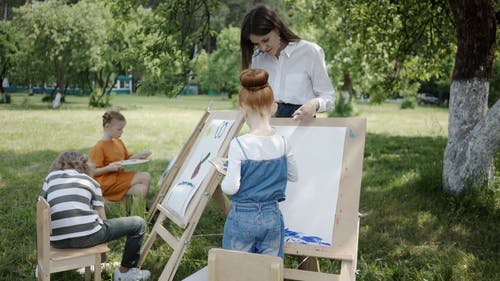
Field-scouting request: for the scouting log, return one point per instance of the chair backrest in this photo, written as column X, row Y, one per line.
column 227, row 265
column 43, row 229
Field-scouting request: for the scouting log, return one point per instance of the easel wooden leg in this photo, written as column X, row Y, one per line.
column 308, row 263
column 348, row 268
column 174, row 260
column 151, row 239
column 348, row 271
column 178, row 245
column 87, row 273
column 221, row 200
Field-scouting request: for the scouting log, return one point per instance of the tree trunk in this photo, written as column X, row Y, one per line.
column 3, row 96
column 3, row 75
column 56, row 102
column 473, row 137
column 473, row 132
column 1, row 84
column 58, row 66
column 345, row 90
column 4, row 7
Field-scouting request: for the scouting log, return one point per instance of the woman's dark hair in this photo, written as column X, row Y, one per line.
column 260, row 21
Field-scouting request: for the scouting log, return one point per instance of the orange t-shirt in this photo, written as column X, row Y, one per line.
column 114, row 185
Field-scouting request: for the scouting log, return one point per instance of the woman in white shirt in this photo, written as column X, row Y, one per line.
column 296, row 67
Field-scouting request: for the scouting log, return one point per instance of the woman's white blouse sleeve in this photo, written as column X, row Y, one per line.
column 321, row 83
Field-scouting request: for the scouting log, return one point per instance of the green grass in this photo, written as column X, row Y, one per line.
column 410, row 229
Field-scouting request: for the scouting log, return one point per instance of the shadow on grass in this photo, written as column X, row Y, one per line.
column 21, row 179
column 410, row 228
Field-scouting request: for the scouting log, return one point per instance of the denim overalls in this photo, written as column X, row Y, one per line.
column 255, row 223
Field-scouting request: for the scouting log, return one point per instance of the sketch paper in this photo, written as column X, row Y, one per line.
column 129, row 162
column 311, row 202
column 197, row 166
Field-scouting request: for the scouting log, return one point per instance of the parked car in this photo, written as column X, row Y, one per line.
column 428, row 100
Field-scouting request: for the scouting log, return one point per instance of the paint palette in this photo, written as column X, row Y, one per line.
column 129, row 162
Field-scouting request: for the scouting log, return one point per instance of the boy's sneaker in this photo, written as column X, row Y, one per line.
column 133, row 274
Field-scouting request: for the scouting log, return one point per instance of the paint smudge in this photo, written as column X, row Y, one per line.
column 352, row 135
column 301, row 238
column 197, row 168
column 189, row 184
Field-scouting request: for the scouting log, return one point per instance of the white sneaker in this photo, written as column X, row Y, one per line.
column 133, row 274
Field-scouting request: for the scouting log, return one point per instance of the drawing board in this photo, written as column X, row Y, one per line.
column 130, row 162
column 310, row 212
column 197, row 166
column 321, row 210
column 174, row 165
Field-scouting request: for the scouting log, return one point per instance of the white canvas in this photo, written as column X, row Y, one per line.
column 197, row 167
column 309, row 208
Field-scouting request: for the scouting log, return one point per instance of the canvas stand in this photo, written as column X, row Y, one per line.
column 172, row 169
column 331, row 149
column 181, row 205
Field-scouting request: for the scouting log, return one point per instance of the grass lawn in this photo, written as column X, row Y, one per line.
column 410, row 229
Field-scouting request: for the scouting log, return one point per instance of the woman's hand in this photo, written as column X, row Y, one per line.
column 307, row 110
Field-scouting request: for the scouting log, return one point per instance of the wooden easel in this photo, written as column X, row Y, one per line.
column 198, row 202
column 346, row 219
column 169, row 175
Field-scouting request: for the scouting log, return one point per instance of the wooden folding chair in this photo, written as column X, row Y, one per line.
column 51, row 260
column 227, row 265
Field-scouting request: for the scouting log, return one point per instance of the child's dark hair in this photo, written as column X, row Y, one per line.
column 112, row 114
column 255, row 92
column 73, row 160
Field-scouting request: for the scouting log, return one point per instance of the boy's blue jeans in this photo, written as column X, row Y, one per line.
column 255, row 228
column 133, row 227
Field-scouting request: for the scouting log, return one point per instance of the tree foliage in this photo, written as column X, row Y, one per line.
column 62, row 43
column 8, row 47
column 180, row 26
column 381, row 44
column 85, row 45
column 119, row 52
column 220, row 70
column 388, row 47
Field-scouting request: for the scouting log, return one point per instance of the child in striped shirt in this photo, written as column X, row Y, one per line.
column 79, row 218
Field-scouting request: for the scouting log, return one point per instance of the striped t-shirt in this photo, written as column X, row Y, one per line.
column 71, row 196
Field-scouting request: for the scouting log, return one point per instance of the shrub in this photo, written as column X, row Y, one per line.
column 4, row 98
column 408, row 103
column 343, row 107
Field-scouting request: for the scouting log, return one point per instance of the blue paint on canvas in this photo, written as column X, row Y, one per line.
column 186, row 183
column 297, row 237
column 352, row 135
